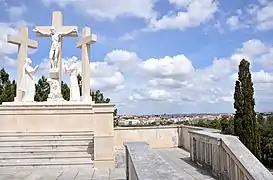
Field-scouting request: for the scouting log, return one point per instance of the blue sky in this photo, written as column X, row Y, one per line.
column 157, row 56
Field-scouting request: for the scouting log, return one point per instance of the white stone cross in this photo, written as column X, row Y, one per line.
column 84, row 44
column 23, row 44
column 64, row 31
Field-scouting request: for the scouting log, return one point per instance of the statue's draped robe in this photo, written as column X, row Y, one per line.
column 74, row 87
column 27, row 84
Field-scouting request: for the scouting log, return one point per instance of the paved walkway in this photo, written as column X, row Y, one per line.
column 179, row 159
column 61, row 173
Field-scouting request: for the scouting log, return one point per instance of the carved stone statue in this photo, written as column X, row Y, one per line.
column 74, row 87
column 27, row 83
column 55, row 45
column 54, row 89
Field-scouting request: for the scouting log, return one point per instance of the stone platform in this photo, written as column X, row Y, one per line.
column 64, row 116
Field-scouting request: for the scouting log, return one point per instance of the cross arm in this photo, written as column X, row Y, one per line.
column 87, row 40
column 14, row 39
column 32, row 44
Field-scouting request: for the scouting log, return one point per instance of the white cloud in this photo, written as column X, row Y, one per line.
column 9, row 62
column 169, row 83
column 16, row 11
column 262, row 77
column 5, row 30
column 264, row 16
column 105, row 76
column 258, row 16
column 123, row 60
column 168, row 66
column 130, row 36
column 190, row 14
column 186, row 14
column 235, row 22
column 105, row 9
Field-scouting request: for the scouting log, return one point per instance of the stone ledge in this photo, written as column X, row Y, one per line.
column 103, row 108
column 45, row 103
column 54, row 108
column 147, row 164
column 145, row 127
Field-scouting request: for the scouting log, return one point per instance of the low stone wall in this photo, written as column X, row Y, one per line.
column 157, row 136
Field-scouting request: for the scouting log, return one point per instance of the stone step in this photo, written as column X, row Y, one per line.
column 39, row 134
column 46, row 156
column 44, row 148
column 45, row 144
column 41, row 151
column 46, row 162
column 26, row 140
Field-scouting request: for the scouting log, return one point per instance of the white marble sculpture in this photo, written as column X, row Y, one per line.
column 72, row 72
column 27, row 83
column 55, row 46
column 54, row 89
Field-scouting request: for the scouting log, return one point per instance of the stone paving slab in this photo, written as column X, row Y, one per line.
column 179, row 159
column 61, row 173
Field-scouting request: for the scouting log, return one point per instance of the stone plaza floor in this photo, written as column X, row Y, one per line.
column 175, row 157
column 61, row 173
column 179, row 159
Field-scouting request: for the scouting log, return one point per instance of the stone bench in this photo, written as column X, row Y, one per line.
column 142, row 163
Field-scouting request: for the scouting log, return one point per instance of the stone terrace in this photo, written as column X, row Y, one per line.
column 177, row 158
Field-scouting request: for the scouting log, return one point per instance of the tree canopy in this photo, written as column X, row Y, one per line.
column 7, row 88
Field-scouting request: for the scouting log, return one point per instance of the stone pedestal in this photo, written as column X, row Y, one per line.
column 62, row 117
column 55, row 76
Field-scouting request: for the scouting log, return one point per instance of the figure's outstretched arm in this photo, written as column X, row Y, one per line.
column 41, row 32
column 70, row 31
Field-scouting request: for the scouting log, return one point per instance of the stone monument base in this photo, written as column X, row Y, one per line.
column 64, row 116
column 55, row 99
column 54, row 73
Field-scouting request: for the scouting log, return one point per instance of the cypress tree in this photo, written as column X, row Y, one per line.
column 238, row 105
column 245, row 122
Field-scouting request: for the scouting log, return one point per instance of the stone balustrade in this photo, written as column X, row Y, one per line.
column 226, row 157
column 142, row 162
